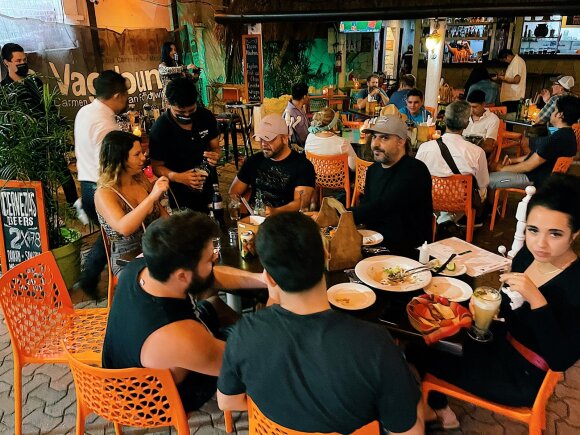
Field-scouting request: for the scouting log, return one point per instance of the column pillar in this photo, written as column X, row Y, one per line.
column 435, row 64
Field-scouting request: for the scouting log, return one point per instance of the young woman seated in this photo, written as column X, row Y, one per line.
column 125, row 200
column 543, row 332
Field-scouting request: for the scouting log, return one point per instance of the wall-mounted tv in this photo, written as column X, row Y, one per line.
column 360, row 26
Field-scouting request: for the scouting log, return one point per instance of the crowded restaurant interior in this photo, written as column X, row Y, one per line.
column 289, row 217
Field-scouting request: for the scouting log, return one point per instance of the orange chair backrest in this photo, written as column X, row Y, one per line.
column 576, row 128
column 452, row 193
column 259, row 424
column 35, row 301
column 360, row 178
column 562, row 165
column 498, row 110
column 352, row 124
column 137, row 397
column 331, row 171
column 431, row 110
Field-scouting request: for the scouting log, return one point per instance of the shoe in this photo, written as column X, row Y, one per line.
column 81, row 214
column 462, row 223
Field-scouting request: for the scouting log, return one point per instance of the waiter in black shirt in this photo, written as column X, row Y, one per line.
column 184, row 147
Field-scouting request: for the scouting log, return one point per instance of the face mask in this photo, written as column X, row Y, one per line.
column 183, row 119
column 552, row 130
column 22, row 69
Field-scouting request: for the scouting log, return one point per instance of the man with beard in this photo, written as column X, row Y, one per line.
column 376, row 93
column 181, row 140
column 92, row 124
column 284, row 177
column 397, row 200
column 154, row 321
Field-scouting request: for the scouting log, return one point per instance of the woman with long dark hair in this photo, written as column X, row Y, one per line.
column 170, row 67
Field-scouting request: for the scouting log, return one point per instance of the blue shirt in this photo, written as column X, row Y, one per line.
column 399, row 98
column 420, row 117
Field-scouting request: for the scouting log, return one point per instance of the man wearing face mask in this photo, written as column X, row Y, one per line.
column 92, row 124
column 28, row 89
column 183, row 140
column 154, row 321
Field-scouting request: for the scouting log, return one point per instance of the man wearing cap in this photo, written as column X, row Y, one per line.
column 397, row 200
column 284, row 177
column 482, row 122
column 561, row 85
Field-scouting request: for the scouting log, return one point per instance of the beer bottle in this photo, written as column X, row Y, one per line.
column 218, row 205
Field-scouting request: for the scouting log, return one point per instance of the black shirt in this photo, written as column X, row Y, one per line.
column 398, row 204
column 277, row 179
column 27, row 91
column 182, row 150
column 561, row 143
column 322, row 372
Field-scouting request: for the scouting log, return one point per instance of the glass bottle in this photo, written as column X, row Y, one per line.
column 259, row 207
column 218, row 205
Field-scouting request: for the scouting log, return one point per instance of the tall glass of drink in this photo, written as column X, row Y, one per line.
column 486, row 302
column 234, row 208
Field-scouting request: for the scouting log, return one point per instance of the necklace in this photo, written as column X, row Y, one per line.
column 555, row 268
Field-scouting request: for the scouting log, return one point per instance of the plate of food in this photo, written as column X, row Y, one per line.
column 351, row 296
column 428, row 313
column 452, row 268
column 370, row 237
column 450, row 288
column 392, row 273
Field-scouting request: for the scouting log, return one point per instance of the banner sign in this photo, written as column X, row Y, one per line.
column 253, row 74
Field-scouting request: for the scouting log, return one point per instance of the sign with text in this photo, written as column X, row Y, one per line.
column 24, row 233
column 253, row 73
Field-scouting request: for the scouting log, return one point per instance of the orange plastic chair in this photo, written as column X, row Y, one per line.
column 505, row 139
column 431, row 110
column 259, row 424
column 534, row 417
column 352, row 124
column 112, row 278
column 561, row 166
column 331, row 173
column 453, row 194
column 576, row 128
column 39, row 313
column 360, row 179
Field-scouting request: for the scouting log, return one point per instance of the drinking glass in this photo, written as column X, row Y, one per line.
column 486, row 302
column 217, row 245
column 234, row 208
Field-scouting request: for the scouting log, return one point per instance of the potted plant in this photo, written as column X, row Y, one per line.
column 33, row 141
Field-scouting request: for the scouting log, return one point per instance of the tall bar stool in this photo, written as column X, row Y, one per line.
column 228, row 126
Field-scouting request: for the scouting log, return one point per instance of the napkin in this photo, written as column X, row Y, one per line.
column 516, row 298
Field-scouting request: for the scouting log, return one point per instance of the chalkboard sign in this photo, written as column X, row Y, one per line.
column 253, row 75
column 22, row 216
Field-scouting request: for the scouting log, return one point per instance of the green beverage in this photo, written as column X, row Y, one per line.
column 486, row 302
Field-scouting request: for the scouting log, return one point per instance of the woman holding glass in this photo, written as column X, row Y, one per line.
column 540, row 334
column 170, row 67
column 125, row 200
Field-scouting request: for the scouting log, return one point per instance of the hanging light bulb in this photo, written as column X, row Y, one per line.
column 432, row 42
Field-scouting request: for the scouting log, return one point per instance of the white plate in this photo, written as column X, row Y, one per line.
column 351, row 296
column 449, row 288
column 370, row 237
column 370, row 269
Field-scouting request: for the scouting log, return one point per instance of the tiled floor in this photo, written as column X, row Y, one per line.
column 49, row 396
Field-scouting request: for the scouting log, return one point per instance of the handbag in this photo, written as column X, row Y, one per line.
column 476, row 202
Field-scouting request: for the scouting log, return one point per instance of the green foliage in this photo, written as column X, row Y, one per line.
column 289, row 62
column 33, row 141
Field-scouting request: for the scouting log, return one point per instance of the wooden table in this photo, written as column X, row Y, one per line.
column 361, row 113
column 511, row 118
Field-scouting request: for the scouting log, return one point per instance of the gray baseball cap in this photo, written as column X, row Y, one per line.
column 389, row 124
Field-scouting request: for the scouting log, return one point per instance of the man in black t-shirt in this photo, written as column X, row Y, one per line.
column 536, row 166
column 284, row 177
column 180, row 140
column 306, row 366
column 153, row 322
column 397, row 201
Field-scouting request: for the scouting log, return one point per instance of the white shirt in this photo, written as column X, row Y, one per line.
column 486, row 126
column 469, row 158
column 331, row 146
column 513, row 92
column 92, row 124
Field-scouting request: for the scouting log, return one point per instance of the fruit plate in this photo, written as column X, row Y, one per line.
column 428, row 313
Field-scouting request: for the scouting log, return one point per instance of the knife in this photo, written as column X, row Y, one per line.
column 442, row 267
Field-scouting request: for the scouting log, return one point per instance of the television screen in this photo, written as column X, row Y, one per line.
column 360, row 26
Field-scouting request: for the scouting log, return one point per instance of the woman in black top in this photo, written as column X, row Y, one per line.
column 546, row 272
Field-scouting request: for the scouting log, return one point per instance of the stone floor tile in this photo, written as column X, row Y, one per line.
column 44, row 422
column 558, row 407
column 49, row 395
column 64, row 406
column 63, row 382
column 29, row 429
column 564, row 428
column 574, row 407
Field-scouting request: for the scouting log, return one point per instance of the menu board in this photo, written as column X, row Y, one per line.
column 253, row 74
column 22, row 216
